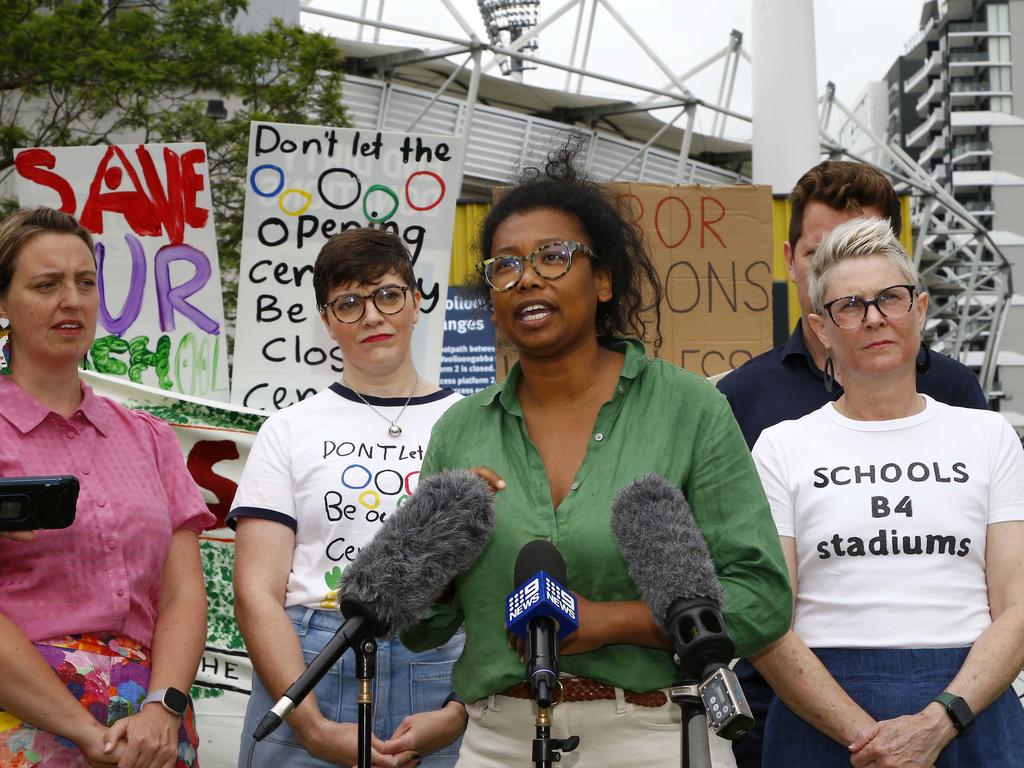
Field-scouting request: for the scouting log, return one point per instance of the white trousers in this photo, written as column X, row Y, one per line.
column 612, row 733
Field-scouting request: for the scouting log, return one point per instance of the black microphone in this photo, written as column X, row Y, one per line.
column 669, row 562
column 541, row 611
column 395, row 579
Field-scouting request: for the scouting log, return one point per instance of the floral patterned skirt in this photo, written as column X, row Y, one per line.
column 109, row 675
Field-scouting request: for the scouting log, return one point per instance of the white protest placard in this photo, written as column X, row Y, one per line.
column 161, row 316
column 305, row 184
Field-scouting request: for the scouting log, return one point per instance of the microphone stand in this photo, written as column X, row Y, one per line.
column 366, row 670
column 695, row 749
column 545, row 749
column 698, row 634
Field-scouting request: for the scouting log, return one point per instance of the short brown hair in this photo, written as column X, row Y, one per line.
column 360, row 256
column 844, row 186
column 24, row 224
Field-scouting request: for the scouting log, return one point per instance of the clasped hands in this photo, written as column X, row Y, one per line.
column 148, row 739
column 417, row 735
column 909, row 741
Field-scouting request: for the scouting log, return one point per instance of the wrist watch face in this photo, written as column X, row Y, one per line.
column 961, row 713
column 175, row 701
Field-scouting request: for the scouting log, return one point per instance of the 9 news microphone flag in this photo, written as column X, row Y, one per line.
column 542, row 612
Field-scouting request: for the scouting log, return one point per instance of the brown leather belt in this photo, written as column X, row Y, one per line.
column 585, row 689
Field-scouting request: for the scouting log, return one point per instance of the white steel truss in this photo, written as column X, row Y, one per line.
column 967, row 276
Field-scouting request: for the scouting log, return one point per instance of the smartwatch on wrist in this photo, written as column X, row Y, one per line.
column 959, row 712
column 171, row 699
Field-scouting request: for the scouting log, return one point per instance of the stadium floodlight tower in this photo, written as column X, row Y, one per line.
column 506, row 22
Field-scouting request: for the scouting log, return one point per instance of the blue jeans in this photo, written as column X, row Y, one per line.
column 406, row 682
column 888, row 683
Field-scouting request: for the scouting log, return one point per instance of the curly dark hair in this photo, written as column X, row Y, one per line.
column 618, row 245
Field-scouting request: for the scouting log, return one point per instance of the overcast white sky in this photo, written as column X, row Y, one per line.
column 855, row 41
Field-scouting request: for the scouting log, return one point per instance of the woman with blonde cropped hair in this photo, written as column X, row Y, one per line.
column 902, row 522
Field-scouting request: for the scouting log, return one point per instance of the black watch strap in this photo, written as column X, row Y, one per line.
column 959, row 712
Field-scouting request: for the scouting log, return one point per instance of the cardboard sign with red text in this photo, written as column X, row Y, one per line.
column 712, row 247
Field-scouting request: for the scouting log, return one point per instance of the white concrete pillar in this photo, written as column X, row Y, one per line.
column 785, row 130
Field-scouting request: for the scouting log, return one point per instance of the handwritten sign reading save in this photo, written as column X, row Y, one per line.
column 305, row 184
column 148, row 207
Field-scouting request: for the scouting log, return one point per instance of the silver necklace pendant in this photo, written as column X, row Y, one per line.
column 394, row 430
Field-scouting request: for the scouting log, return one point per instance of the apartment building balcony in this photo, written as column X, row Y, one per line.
column 933, row 95
column 916, row 46
column 967, row 34
column 970, row 60
column 920, row 135
column 940, row 173
column 971, row 151
column 963, row 180
column 979, row 207
column 918, row 81
column 933, row 151
column 970, row 93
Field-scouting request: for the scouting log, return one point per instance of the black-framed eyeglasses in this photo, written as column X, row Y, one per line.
column 550, row 261
column 892, row 303
column 350, row 307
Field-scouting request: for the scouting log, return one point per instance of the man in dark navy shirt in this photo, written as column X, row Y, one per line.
column 787, row 382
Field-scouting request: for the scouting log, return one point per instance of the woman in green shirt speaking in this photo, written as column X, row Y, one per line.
column 583, row 413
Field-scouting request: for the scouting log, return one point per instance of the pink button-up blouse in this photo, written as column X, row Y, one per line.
column 103, row 573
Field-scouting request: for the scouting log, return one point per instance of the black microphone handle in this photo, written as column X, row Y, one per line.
column 349, row 633
column 698, row 633
column 542, row 659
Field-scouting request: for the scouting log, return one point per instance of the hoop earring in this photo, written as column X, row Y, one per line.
column 923, row 365
column 830, row 373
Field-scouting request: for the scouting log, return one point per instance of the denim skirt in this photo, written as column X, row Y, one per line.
column 887, row 683
column 405, row 683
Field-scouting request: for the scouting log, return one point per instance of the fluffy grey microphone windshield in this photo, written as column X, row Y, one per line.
column 437, row 534
column 665, row 552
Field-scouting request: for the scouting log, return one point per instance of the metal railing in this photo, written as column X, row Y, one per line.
column 502, row 141
column 970, row 56
column 968, row 26
column 963, row 147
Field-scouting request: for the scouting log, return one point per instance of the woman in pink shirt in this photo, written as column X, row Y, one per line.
column 102, row 623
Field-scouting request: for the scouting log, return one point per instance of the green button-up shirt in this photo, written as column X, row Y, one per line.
column 661, row 420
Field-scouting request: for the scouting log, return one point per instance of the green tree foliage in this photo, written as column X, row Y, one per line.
column 103, row 71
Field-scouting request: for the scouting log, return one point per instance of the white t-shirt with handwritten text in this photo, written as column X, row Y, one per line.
column 327, row 468
column 890, row 520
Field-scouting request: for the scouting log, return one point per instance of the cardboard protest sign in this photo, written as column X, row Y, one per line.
column 712, row 247
column 304, row 184
column 161, row 315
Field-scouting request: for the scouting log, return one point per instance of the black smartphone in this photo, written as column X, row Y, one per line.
column 30, row 503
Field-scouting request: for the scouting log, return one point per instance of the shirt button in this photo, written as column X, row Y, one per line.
column 621, row 389
column 72, row 435
column 574, row 486
column 120, row 593
column 599, row 437
column 101, row 503
column 111, row 544
column 85, row 470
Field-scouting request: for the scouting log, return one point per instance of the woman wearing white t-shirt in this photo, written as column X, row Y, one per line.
column 322, row 476
column 902, row 522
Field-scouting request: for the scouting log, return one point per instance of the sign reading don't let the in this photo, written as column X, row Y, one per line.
column 304, row 185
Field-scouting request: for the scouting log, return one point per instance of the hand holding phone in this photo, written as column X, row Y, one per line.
column 32, row 503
